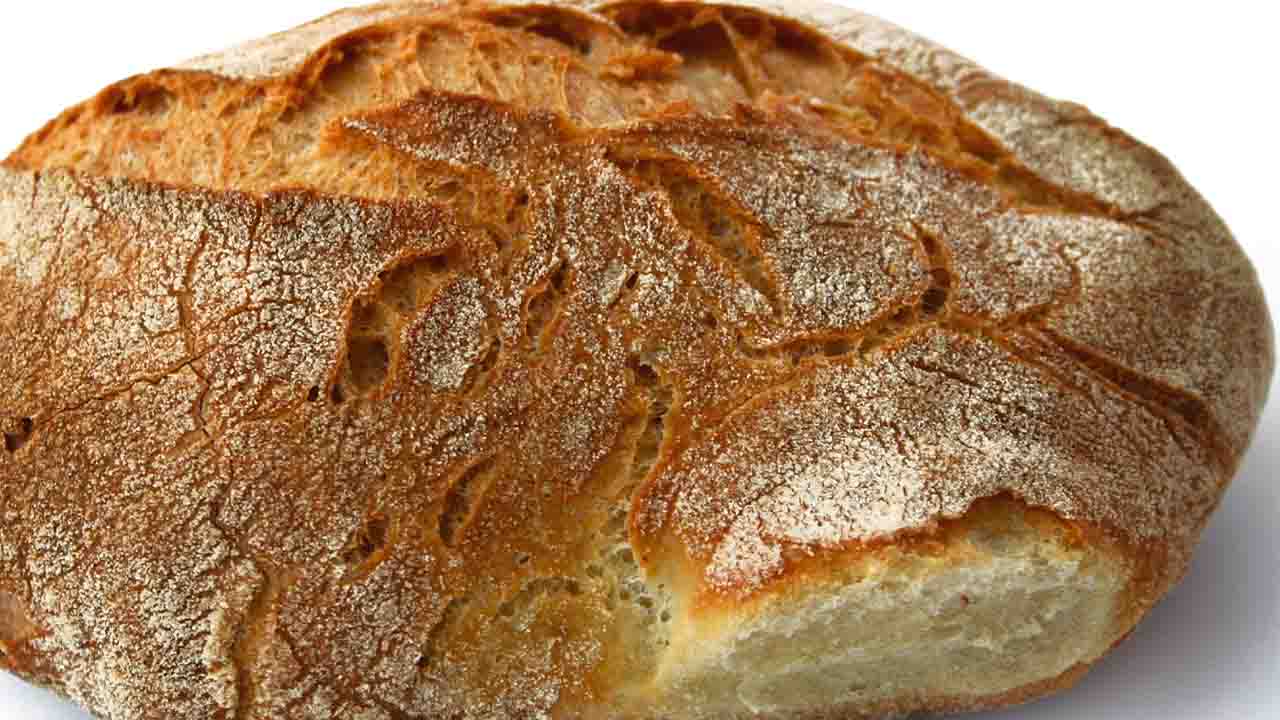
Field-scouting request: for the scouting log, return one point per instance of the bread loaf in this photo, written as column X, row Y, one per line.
column 648, row 360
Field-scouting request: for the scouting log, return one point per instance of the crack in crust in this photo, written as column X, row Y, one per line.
column 373, row 336
column 13, row 441
column 710, row 217
column 250, row 637
column 1164, row 400
column 461, row 503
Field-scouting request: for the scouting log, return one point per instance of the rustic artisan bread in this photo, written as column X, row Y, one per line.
column 649, row 360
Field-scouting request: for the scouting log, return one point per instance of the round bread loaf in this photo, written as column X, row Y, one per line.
column 649, row 360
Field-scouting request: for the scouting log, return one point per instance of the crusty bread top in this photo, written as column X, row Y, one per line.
column 385, row 317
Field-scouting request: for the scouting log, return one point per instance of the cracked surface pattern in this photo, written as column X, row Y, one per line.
column 326, row 356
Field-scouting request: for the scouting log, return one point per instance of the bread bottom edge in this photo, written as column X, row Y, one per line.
column 1009, row 605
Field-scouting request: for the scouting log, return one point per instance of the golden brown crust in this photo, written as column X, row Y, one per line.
column 282, row 452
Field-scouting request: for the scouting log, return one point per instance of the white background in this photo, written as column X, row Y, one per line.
column 1196, row 80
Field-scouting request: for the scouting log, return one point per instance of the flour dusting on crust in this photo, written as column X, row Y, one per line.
column 381, row 368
